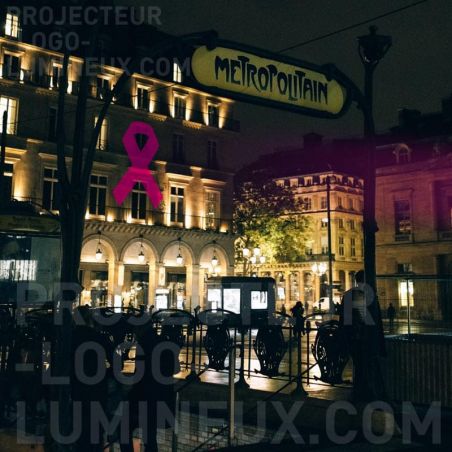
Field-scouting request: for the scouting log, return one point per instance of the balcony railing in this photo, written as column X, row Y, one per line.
column 445, row 235
column 114, row 214
column 37, row 78
column 403, row 237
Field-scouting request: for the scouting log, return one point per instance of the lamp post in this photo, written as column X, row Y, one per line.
column 330, row 255
column 372, row 48
column 319, row 269
column 256, row 259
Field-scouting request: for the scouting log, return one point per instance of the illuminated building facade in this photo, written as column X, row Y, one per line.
column 414, row 214
column 308, row 280
column 130, row 252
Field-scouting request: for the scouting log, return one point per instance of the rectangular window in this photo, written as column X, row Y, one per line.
column 307, row 202
column 339, row 202
column 350, row 204
column 52, row 124
column 139, row 200
column 177, row 73
column 212, row 209
column 102, row 87
column 213, row 115
column 178, row 148
column 324, row 244
column 323, row 202
column 102, row 140
column 11, row 66
column 56, row 75
column 8, row 182
column 341, row 246
column 212, row 155
column 177, row 205
column 402, row 217
column 404, row 268
column 353, row 247
column 97, row 195
column 179, row 107
column 9, row 105
column 12, row 27
column 50, row 189
column 143, row 98
column 406, row 293
column 352, row 224
column 340, row 223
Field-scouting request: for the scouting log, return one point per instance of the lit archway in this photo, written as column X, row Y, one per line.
column 97, row 265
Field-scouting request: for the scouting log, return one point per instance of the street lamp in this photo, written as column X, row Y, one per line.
column 214, row 260
column 99, row 253
column 257, row 258
column 179, row 258
column 372, row 48
column 141, row 256
column 319, row 269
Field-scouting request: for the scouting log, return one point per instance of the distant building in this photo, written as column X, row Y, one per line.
column 132, row 251
column 298, row 280
column 414, row 214
column 308, row 179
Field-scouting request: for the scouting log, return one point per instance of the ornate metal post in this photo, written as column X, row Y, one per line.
column 241, row 383
column 372, row 48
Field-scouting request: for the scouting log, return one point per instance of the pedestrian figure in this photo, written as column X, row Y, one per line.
column 160, row 359
column 87, row 395
column 358, row 318
column 391, row 313
column 297, row 314
column 306, row 307
column 283, row 309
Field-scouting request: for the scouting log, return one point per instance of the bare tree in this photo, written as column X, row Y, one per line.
column 74, row 166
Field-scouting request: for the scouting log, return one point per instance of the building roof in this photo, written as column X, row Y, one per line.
column 422, row 136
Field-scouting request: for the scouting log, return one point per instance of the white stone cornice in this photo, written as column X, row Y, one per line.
column 137, row 229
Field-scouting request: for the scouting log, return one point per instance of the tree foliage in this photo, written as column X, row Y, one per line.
column 269, row 216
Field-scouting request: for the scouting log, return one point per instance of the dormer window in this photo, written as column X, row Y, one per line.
column 56, row 75
column 177, row 73
column 180, row 107
column 12, row 26
column 402, row 154
column 213, row 115
column 102, row 87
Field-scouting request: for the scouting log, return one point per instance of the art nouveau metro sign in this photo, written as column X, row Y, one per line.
column 253, row 75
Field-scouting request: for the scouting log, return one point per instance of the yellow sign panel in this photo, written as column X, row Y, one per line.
column 246, row 74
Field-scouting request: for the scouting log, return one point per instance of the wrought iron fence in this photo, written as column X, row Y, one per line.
column 419, row 303
column 286, row 352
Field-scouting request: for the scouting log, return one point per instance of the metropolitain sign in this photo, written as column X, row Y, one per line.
column 253, row 75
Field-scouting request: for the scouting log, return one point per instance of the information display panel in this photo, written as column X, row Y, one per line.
column 161, row 299
column 214, row 298
column 259, row 299
column 231, row 300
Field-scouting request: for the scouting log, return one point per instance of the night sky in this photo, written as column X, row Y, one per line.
column 416, row 73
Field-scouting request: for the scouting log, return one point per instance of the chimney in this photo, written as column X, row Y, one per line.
column 312, row 140
column 408, row 119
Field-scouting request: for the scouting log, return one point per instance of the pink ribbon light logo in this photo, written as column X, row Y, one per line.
column 140, row 159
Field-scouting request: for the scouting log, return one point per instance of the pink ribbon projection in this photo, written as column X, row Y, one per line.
column 140, row 159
